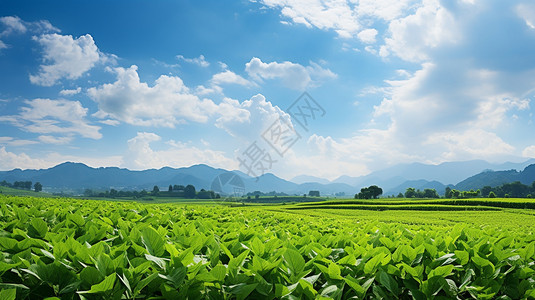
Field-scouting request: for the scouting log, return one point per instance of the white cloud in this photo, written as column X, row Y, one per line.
column 249, row 119
column 367, row 35
column 529, row 151
column 200, row 61
column 335, row 15
column 65, row 57
column 526, row 11
column 7, row 140
column 62, row 140
column 229, row 77
column 167, row 103
column 141, row 156
column 470, row 144
column 10, row 160
column 47, row 116
column 412, row 37
column 12, row 24
column 292, row 75
column 70, row 92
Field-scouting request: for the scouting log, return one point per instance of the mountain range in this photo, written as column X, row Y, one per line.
column 76, row 177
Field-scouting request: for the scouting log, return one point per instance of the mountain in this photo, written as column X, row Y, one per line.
column 496, row 178
column 417, row 184
column 446, row 173
column 76, row 177
column 307, row 178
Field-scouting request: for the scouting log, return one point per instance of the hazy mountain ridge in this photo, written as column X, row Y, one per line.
column 393, row 180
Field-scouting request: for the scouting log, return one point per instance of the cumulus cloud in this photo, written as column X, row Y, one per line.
column 48, row 116
column 200, row 61
column 167, row 103
column 12, row 24
column 10, row 160
column 229, row 77
column 70, row 92
column 66, row 57
column 140, row 155
column 292, row 75
column 336, row 15
column 367, row 35
column 249, row 119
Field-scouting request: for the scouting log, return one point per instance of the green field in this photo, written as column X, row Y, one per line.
column 422, row 249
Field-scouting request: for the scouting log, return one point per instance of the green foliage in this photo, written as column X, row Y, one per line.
column 74, row 249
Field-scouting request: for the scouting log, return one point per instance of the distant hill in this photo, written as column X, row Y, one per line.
column 76, row 177
column 417, row 184
column 496, row 178
column 446, row 173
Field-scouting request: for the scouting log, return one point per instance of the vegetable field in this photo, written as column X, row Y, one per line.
column 84, row 249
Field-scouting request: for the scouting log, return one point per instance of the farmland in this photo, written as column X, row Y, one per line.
column 87, row 249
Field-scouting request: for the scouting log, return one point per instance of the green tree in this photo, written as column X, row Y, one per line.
column 170, row 188
column 400, row 195
column 189, row 191
column 492, row 195
column 410, row 193
column 314, row 193
column 155, row 190
column 37, row 187
column 430, row 193
column 447, row 193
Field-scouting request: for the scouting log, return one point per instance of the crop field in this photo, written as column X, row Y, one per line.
column 423, row 249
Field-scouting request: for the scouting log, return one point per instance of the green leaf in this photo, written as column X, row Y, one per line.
column 38, row 228
column 294, row 260
column 7, row 244
column 371, row 265
column 355, row 286
column 160, row 262
column 8, row 294
column 105, row 286
column 219, row 272
column 334, row 271
column 463, row 256
column 242, row 290
column 389, row 282
column 153, row 242
column 442, row 271
column 91, row 275
column 143, row 283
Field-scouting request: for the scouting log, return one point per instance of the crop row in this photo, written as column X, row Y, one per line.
column 74, row 249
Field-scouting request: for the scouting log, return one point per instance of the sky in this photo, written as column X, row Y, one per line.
column 290, row 87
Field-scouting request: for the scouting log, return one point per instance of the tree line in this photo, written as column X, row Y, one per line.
column 23, row 185
column 177, row 191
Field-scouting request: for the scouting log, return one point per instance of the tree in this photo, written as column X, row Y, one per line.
column 492, row 195
column 314, row 193
column 170, row 188
column 447, row 193
column 37, row 187
column 485, row 191
column 410, row 193
column 400, row 195
column 372, row 191
column 189, row 191
column 155, row 190
column 430, row 193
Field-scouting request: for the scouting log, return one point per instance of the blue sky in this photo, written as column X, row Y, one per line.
column 147, row 84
